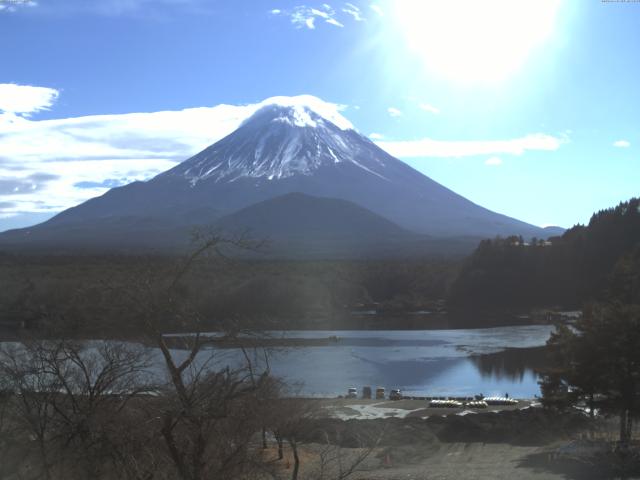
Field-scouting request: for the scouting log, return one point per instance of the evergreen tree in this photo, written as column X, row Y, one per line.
column 598, row 360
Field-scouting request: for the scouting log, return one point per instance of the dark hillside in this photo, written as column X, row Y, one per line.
column 509, row 273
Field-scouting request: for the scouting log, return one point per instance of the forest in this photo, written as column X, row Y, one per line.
column 504, row 276
column 81, row 291
column 516, row 274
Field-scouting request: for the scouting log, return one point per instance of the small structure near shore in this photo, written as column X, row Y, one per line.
column 477, row 404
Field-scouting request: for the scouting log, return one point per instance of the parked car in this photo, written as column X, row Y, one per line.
column 379, row 393
column 352, row 392
column 395, row 394
column 366, row 392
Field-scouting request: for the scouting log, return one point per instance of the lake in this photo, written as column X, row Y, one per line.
column 460, row 362
column 420, row 362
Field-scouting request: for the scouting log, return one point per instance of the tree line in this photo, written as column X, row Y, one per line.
column 265, row 294
column 515, row 273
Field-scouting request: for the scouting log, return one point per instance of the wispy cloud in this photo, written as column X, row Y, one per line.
column 376, row 136
column 13, row 5
column 335, row 22
column 351, row 9
column 304, row 16
column 465, row 148
column 429, row 108
column 25, row 99
column 622, row 144
column 394, row 112
column 493, row 161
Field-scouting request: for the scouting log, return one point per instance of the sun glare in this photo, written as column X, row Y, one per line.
column 475, row 41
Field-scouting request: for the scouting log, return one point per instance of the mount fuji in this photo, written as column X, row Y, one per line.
column 288, row 156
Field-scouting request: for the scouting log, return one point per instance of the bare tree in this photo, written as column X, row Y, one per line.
column 337, row 463
column 209, row 410
column 299, row 422
column 67, row 395
column 32, row 398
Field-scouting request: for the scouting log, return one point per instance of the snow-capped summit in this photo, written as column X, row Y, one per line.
column 283, row 138
column 300, row 104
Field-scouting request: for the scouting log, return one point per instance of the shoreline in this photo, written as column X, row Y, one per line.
column 375, row 409
column 354, row 321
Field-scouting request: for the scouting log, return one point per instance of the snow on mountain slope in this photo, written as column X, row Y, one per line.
column 278, row 141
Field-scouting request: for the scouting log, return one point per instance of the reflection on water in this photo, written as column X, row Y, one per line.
column 406, row 374
column 512, row 364
column 492, row 361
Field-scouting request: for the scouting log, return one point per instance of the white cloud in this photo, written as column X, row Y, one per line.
column 354, row 11
column 60, row 191
column 622, row 144
column 50, row 165
column 335, row 22
column 25, row 99
column 376, row 136
column 493, row 161
column 394, row 112
column 377, row 9
column 464, row 148
column 328, row 110
column 323, row 14
column 304, row 16
column 429, row 108
column 12, row 5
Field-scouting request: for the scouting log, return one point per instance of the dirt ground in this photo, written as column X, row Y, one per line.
column 512, row 443
column 468, row 461
column 453, row 461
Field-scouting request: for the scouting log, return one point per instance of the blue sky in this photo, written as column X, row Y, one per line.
column 531, row 111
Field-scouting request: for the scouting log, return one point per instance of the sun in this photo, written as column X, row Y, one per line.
column 474, row 41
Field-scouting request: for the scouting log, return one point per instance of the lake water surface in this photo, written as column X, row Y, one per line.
column 492, row 361
column 422, row 362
